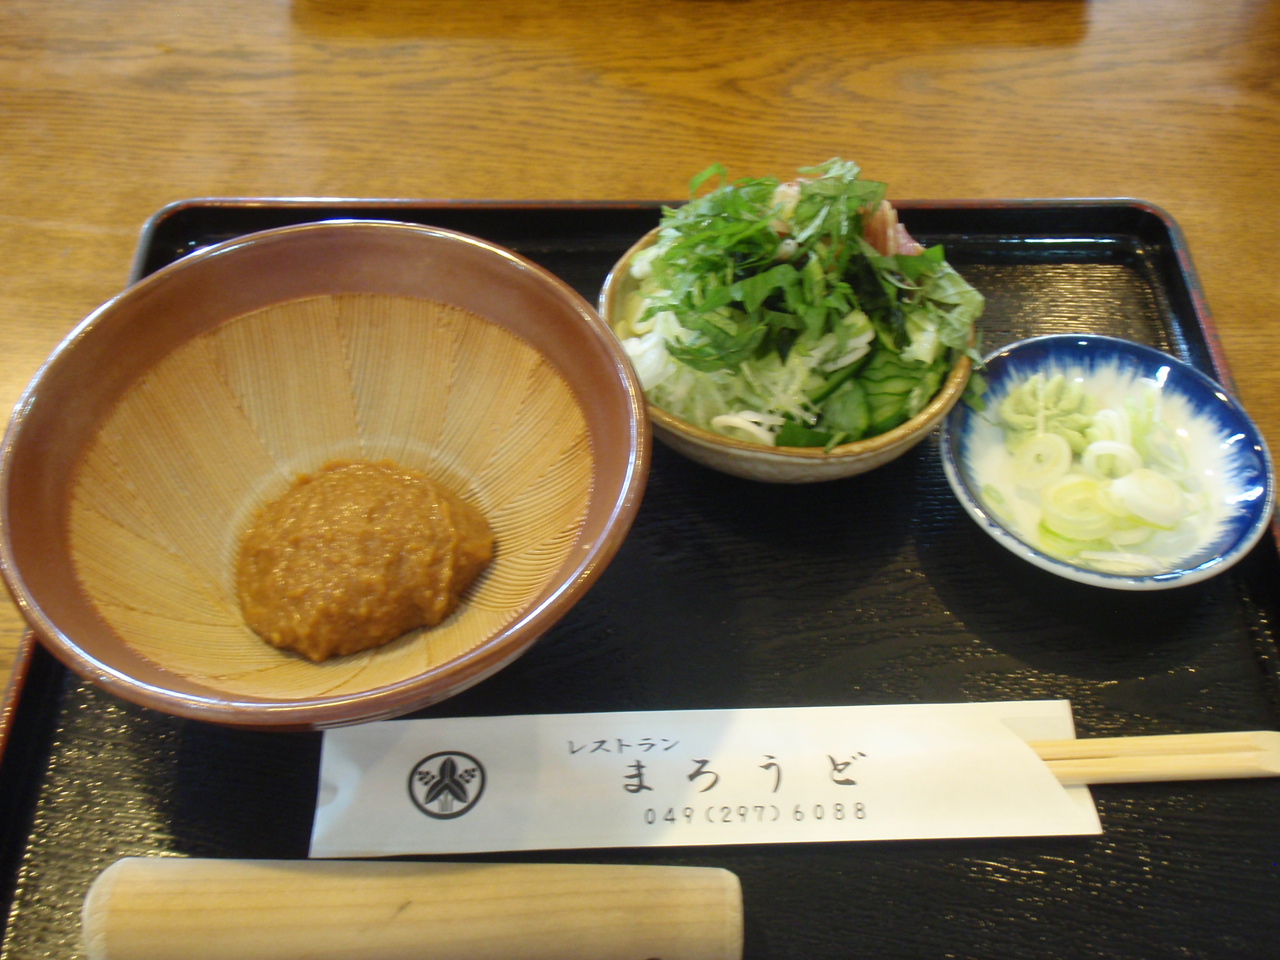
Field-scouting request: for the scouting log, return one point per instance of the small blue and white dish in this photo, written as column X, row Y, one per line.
column 1225, row 490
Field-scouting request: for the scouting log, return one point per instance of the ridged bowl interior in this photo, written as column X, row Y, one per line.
column 163, row 473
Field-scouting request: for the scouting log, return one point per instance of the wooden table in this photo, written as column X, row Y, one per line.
column 110, row 109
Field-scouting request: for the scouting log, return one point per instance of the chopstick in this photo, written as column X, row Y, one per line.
column 1191, row 756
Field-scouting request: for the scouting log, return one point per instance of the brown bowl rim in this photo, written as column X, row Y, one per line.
column 395, row 699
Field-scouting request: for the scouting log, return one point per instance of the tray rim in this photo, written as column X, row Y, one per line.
column 32, row 659
column 151, row 226
column 27, row 647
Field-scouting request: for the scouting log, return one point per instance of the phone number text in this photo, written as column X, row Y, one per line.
column 754, row 813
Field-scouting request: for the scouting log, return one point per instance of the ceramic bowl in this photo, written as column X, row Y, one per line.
column 1229, row 469
column 755, row 461
column 157, row 428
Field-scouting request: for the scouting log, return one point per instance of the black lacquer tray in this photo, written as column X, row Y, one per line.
column 729, row 593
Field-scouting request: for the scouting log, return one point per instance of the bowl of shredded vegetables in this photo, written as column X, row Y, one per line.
column 1110, row 463
column 792, row 331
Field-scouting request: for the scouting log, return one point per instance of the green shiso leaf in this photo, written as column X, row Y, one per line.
column 715, row 170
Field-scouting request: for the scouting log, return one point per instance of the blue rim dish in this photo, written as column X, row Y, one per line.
column 1246, row 474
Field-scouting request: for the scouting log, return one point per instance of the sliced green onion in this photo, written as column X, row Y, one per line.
column 1151, row 497
column 992, row 493
column 1073, row 508
column 1130, row 534
column 1040, row 460
column 1110, row 424
column 1109, row 459
column 1067, row 548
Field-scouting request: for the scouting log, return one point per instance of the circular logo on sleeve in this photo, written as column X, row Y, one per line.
column 446, row 784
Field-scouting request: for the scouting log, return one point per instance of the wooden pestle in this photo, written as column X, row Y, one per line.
column 166, row 907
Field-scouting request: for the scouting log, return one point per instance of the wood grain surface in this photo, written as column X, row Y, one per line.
column 110, row 109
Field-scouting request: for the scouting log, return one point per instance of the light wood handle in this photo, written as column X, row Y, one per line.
column 1244, row 741
column 167, row 907
column 1203, row 766
column 1188, row 756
